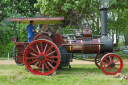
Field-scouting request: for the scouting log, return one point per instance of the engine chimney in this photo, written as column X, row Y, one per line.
column 104, row 21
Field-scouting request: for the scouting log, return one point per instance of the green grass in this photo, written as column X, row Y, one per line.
column 5, row 58
column 77, row 75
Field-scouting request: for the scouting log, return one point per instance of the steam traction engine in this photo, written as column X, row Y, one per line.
column 50, row 50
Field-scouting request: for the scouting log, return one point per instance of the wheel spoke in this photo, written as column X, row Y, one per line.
column 49, row 49
column 33, row 54
column 37, row 48
column 42, row 67
column 50, row 64
column 105, row 64
column 33, row 62
column 31, row 58
column 51, row 60
column 110, row 58
column 106, row 60
column 35, row 65
column 51, row 53
column 98, row 61
column 116, row 68
column 39, row 66
column 116, row 61
column 52, row 56
column 105, row 67
column 109, row 69
column 45, row 47
column 34, row 50
column 41, row 46
column 113, row 58
column 112, row 70
column 46, row 66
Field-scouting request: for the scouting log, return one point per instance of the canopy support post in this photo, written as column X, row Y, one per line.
column 15, row 32
column 18, row 33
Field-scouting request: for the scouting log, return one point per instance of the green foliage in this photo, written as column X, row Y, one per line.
column 67, row 30
column 21, row 32
column 118, row 19
column 67, row 8
column 14, row 9
column 6, row 48
column 9, row 49
column 22, row 7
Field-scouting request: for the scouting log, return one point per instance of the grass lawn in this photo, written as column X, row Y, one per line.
column 5, row 58
column 77, row 75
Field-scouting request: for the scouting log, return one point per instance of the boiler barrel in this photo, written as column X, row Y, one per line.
column 90, row 46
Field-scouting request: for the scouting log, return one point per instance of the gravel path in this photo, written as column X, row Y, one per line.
column 74, row 62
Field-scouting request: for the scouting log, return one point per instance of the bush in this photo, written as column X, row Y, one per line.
column 7, row 48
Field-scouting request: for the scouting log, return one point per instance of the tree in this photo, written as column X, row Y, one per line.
column 23, row 7
column 119, row 9
column 74, row 11
column 13, row 9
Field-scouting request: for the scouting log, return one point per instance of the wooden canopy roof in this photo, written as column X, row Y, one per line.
column 39, row 20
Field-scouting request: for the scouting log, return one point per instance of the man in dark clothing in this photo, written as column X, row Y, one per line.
column 30, row 30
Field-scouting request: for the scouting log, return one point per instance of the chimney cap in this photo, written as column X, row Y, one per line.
column 104, row 8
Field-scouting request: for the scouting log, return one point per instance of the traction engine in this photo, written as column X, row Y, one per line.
column 50, row 50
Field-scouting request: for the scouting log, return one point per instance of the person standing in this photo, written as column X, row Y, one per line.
column 30, row 29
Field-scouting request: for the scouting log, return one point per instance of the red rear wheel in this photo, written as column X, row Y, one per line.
column 41, row 57
column 111, row 64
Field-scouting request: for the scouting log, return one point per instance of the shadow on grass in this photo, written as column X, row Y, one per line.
column 87, row 59
column 76, row 70
column 83, row 70
column 91, row 60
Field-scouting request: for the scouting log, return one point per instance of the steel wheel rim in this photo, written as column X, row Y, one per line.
column 44, row 63
column 97, row 60
column 111, row 64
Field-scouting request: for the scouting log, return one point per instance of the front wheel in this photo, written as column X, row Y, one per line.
column 111, row 64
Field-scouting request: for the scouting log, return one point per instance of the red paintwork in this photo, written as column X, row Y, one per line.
column 21, row 43
column 12, row 39
column 86, row 32
column 35, row 19
column 20, row 51
column 107, row 60
column 50, row 61
column 58, row 40
column 79, row 46
column 43, row 35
